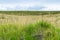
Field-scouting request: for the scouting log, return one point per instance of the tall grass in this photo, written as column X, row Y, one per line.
column 37, row 31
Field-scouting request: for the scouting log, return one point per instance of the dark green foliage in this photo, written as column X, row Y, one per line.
column 29, row 12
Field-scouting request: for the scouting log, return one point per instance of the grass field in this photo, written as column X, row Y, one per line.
column 29, row 25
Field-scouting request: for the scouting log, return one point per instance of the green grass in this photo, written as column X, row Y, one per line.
column 41, row 29
column 29, row 12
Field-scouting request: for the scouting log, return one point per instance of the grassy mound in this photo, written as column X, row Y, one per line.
column 37, row 31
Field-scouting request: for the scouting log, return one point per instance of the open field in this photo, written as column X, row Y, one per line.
column 25, row 25
column 29, row 12
column 25, row 19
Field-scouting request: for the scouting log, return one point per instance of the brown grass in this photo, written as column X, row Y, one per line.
column 4, row 19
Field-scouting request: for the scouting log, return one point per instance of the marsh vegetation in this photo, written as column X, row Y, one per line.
column 28, row 25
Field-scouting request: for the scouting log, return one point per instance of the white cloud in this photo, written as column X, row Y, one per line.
column 55, row 7
column 15, row 5
column 27, row 6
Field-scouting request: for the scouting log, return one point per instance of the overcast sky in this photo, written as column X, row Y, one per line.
column 30, row 5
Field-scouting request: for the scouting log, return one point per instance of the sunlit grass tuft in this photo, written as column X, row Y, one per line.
column 34, row 31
